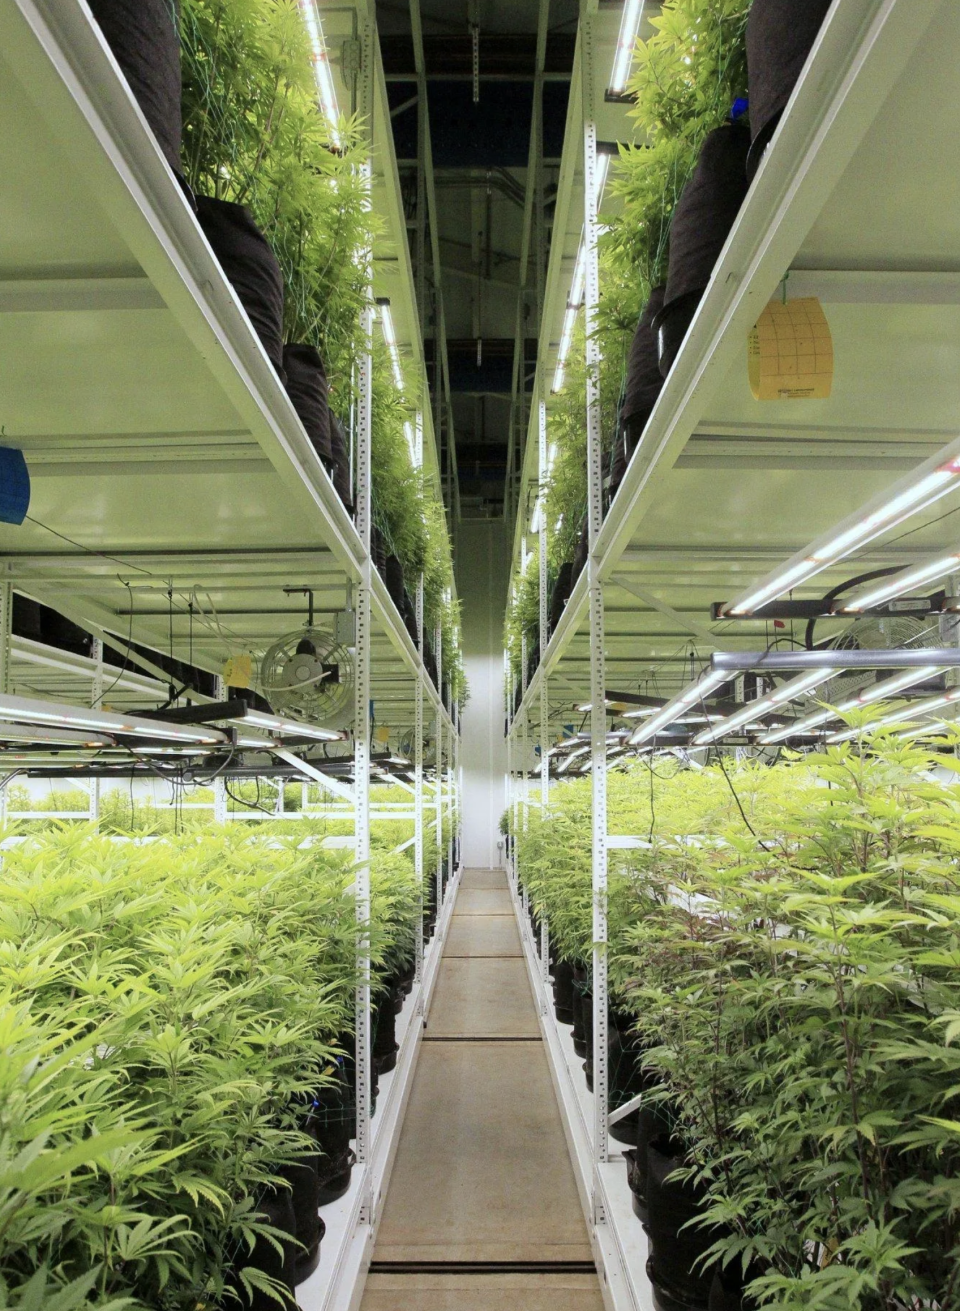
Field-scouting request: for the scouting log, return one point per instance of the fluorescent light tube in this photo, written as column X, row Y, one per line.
column 926, row 485
column 924, row 706
column 626, row 42
column 390, row 337
column 672, row 711
column 877, row 692
column 322, row 73
column 902, row 582
column 788, row 691
column 287, row 727
column 28, row 710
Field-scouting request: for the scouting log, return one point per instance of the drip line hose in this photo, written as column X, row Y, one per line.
column 842, row 587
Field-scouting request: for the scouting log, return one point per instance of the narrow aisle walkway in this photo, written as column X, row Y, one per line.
column 482, row 1174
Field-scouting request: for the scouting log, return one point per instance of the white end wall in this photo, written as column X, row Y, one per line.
column 482, row 560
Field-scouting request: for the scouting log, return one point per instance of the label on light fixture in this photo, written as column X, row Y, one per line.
column 790, row 352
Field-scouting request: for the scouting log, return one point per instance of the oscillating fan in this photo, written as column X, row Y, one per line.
column 308, row 675
column 896, row 632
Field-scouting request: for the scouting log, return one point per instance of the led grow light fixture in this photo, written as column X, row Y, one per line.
column 626, row 44
column 788, row 691
column 672, row 711
column 920, row 489
column 578, row 286
column 287, row 727
column 937, row 567
column 322, row 73
column 924, row 706
column 27, row 710
column 390, row 337
column 886, row 687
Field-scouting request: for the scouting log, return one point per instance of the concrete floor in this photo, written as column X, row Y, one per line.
column 482, row 1174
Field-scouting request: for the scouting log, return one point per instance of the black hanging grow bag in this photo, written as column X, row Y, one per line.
column 643, row 384
column 705, row 213
column 275, row 1207
column 251, row 267
column 560, row 595
column 144, row 36
column 340, row 450
column 676, row 1249
column 307, row 389
column 780, row 34
column 384, row 1046
column 563, row 992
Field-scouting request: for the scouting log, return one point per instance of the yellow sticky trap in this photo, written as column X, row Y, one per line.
column 238, row 671
column 790, row 352
column 381, row 735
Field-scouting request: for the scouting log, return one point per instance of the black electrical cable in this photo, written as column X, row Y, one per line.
column 842, row 587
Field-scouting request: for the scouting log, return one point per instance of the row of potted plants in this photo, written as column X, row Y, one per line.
column 784, row 996
column 709, row 88
column 176, row 1096
column 280, row 194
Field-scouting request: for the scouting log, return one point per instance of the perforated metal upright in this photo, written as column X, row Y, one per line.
column 361, row 728
column 544, row 636
column 598, row 714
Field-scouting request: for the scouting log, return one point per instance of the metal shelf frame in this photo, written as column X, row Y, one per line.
column 718, row 492
column 212, row 488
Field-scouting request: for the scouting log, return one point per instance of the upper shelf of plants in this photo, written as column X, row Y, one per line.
column 788, row 198
column 182, row 272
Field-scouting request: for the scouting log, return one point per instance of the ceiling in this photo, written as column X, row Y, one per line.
column 480, row 306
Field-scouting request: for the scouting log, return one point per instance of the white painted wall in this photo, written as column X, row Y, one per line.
column 482, row 558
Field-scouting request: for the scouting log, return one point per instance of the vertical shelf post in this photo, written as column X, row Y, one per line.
column 418, row 779
column 544, row 636
column 361, row 728
column 438, row 768
column 598, row 714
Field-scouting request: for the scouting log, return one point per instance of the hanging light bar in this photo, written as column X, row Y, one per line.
column 924, row 706
column 626, row 44
column 906, row 581
column 390, row 337
column 578, row 285
column 788, row 691
column 322, row 72
column 933, row 479
column 672, row 711
column 885, row 688
column 287, row 727
column 27, row 710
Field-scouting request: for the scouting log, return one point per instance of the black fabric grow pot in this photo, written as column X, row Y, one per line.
column 144, row 36
column 307, row 388
column 705, row 213
column 563, row 992
column 581, row 989
column 560, row 595
column 586, row 1011
column 655, row 1122
column 384, row 1046
column 334, row 1123
column 26, row 619
column 340, row 451
column 580, row 552
column 627, row 1077
column 394, row 580
column 674, row 1268
column 275, row 1207
column 780, row 34
column 644, row 381
column 726, row 1288
column 305, row 1196
column 251, row 268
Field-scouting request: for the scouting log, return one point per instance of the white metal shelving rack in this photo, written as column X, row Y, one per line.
column 168, row 462
column 853, row 204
